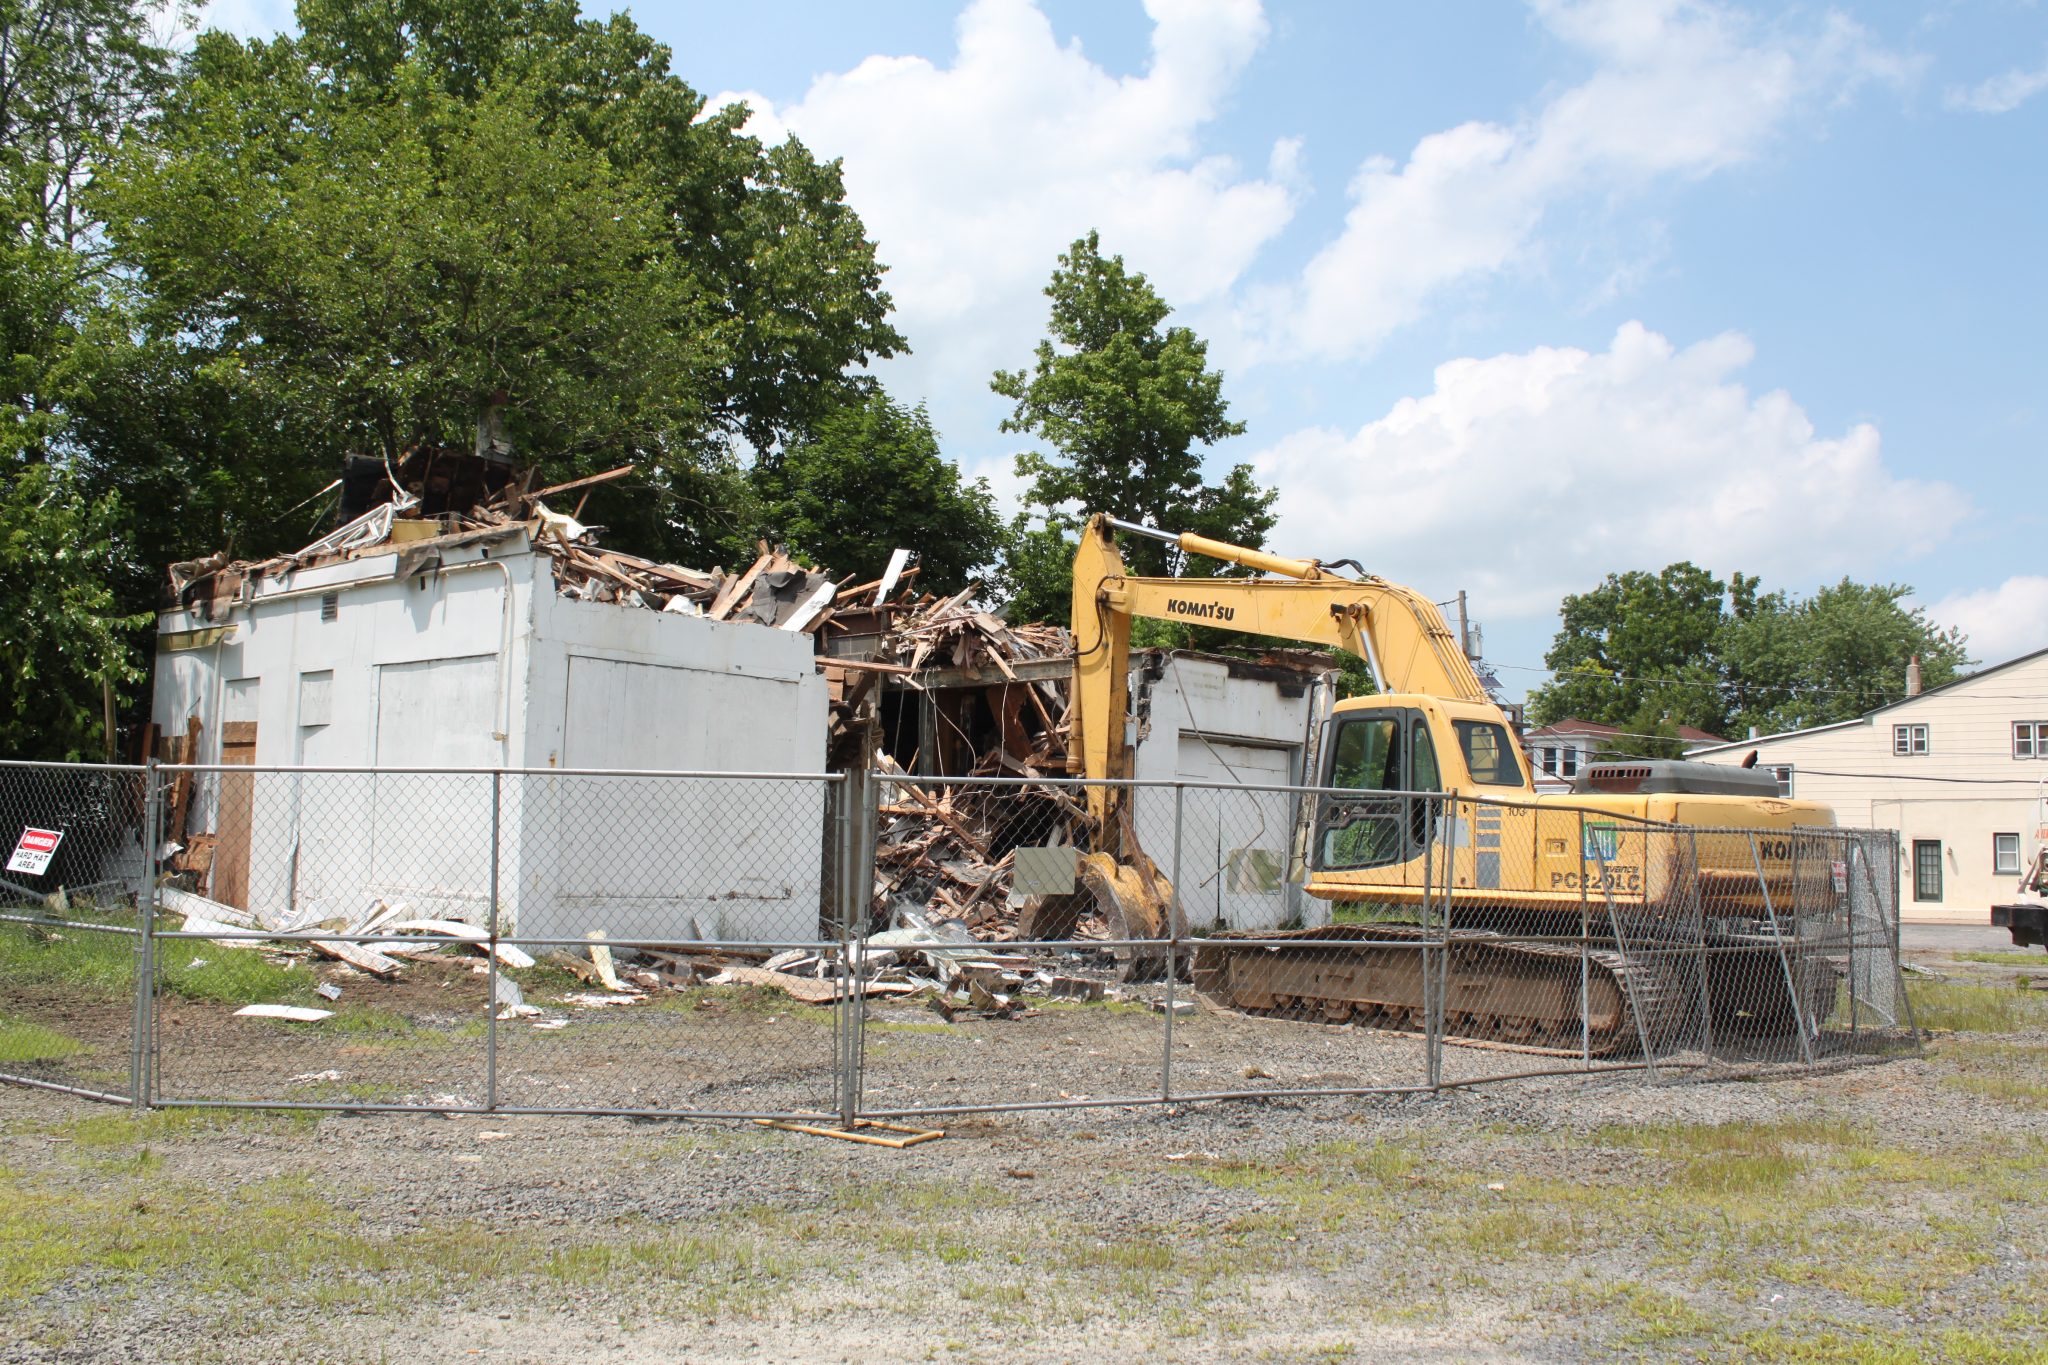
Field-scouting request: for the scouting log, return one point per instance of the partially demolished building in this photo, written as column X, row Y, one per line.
column 455, row 621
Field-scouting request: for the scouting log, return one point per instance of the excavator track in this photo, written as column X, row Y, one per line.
column 1498, row 991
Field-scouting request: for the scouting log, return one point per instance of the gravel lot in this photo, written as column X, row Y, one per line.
column 1887, row 1212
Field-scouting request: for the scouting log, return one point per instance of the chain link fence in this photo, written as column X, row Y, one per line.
column 883, row 945
column 71, row 944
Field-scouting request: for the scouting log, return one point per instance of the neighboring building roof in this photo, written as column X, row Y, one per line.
column 1868, row 716
column 1571, row 727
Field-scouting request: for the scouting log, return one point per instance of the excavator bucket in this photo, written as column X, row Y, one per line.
column 1138, row 904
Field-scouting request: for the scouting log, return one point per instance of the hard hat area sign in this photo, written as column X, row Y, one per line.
column 34, row 851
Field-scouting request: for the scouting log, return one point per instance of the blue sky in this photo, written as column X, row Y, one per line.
column 1510, row 296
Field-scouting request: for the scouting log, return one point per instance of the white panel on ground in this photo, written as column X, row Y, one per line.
column 1233, row 858
column 427, row 844
column 737, row 857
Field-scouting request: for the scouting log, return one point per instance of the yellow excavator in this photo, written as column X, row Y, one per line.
column 1426, row 806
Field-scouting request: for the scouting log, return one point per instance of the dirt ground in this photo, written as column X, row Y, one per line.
column 1886, row 1212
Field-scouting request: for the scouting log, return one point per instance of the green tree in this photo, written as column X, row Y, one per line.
column 870, row 478
column 358, row 234
column 1124, row 403
column 1833, row 656
column 1637, row 652
column 76, row 80
column 1649, row 653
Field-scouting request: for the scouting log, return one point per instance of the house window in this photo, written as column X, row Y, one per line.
column 1783, row 772
column 1909, row 740
column 1546, row 759
column 1927, row 869
column 2030, row 739
column 2005, row 855
column 1568, row 762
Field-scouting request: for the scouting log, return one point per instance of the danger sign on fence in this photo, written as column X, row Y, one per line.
column 32, row 855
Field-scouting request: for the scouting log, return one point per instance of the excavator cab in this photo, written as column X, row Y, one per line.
column 1387, row 756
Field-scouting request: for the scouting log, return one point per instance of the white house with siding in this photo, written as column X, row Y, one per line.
column 1960, row 771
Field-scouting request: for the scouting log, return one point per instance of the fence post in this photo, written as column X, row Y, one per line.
column 1173, row 921
column 144, row 1026
column 1585, row 963
column 1432, row 988
column 858, row 795
column 1778, row 941
column 491, row 957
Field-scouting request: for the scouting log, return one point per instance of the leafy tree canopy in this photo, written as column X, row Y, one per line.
column 870, row 478
column 363, row 231
column 1651, row 652
column 76, row 78
column 1124, row 403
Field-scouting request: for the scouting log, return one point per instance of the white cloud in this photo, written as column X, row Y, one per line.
column 1528, row 476
column 2002, row 622
column 972, row 177
column 1680, row 90
column 2002, row 93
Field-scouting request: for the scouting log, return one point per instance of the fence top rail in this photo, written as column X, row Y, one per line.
column 1548, row 804
column 406, row 771
column 64, row 766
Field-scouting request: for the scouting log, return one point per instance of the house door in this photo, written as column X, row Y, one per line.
column 230, row 882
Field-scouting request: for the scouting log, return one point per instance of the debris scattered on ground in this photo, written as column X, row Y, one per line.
column 297, row 1014
column 869, row 1131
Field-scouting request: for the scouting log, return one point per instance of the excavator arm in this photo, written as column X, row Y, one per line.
column 1400, row 634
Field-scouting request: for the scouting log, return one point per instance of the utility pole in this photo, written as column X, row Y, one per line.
column 1464, row 631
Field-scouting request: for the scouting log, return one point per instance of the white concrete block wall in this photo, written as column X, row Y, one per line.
column 480, row 663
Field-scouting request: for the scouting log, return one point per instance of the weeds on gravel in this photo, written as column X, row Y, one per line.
column 1962, row 1008
column 1779, row 1346
column 1333, row 1182
column 2005, row 959
column 2010, row 1073
column 22, row 1041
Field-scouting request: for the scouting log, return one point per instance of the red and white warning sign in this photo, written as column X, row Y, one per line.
column 1841, row 872
column 32, row 855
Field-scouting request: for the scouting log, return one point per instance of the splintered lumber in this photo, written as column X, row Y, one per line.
column 621, row 472
column 863, row 1130
column 360, row 956
column 214, row 912
column 737, row 590
column 601, row 958
column 195, row 924
column 506, row 953
column 807, row 989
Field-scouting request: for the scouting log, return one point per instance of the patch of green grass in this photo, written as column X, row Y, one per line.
column 2032, row 958
column 89, row 964
column 197, row 970
column 1962, row 1008
column 118, row 1128
column 23, row 1041
column 1656, row 1317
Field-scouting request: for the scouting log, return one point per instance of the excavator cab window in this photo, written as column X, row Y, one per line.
column 1489, row 753
column 1389, row 753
